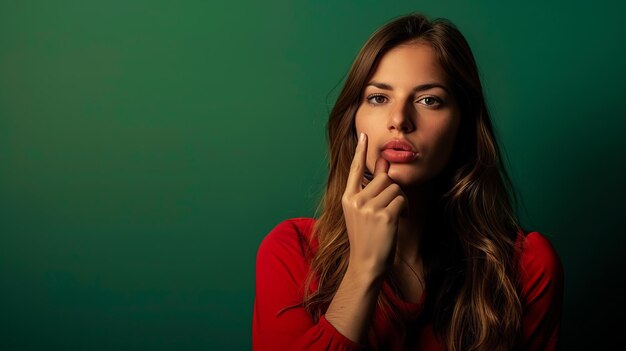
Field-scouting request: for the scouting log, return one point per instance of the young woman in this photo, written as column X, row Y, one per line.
column 425, row 251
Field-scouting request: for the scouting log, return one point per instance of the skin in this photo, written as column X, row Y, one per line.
column 427, row 119
column 384, row 218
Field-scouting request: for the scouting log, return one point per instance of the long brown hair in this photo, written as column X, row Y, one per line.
column 470, row 266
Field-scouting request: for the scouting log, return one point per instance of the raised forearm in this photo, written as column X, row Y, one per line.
column 352, row 307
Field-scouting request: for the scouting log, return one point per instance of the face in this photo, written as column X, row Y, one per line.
column 408, row 99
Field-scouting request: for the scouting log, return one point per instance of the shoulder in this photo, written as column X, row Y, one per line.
column 540, row 265
column 289, row 239
column 541, row 278
column 538, row 254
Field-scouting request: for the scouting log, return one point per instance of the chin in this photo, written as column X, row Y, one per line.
column 405, row 179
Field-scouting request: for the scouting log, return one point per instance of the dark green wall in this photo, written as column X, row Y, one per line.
column 146, row 148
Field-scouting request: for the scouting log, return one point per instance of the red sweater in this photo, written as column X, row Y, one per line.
column 281, row 269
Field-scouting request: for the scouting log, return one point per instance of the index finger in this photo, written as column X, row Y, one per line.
column 358, row 166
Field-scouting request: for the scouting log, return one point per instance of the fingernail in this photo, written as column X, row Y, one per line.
column 361, row 137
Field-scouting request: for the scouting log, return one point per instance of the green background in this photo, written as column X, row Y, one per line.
column 147, row 147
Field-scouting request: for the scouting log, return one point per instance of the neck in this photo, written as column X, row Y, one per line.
column 412, row 223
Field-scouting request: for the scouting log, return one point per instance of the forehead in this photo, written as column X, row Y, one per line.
column 408, row 65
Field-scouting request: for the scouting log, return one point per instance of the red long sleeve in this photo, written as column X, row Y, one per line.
column 280, row 273
column 282, row 267
column 542, row 294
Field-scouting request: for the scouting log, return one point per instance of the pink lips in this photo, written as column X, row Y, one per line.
column 399, row 151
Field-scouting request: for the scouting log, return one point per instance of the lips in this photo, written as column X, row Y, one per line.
column 399, row 151
column 398, row 144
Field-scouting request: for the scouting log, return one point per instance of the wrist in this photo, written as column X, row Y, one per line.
column 370, row 276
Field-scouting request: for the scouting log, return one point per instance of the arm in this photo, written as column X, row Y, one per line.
column 542, row 294
column 352, row 307
column 280, row 273
column 371, row 215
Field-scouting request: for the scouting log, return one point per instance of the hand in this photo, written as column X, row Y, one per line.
column 371, row 214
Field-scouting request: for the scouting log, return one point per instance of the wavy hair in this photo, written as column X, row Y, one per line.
column 470, row 267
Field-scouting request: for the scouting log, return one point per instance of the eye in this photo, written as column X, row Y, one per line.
column 376, row 99
column 430, row 101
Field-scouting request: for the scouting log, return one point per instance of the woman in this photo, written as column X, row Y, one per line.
column 426, row 253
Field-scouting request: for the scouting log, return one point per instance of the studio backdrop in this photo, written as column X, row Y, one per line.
column 147, row 147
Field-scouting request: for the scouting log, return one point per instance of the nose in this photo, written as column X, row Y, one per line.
column 401, row 119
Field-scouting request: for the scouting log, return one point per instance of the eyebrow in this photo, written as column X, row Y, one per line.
column 421, row 87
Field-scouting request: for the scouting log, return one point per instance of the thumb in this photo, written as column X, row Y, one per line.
column 381, row 166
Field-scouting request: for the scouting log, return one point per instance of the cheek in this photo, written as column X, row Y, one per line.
column 361, row 122
column 443, row 142
column 447, row 137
